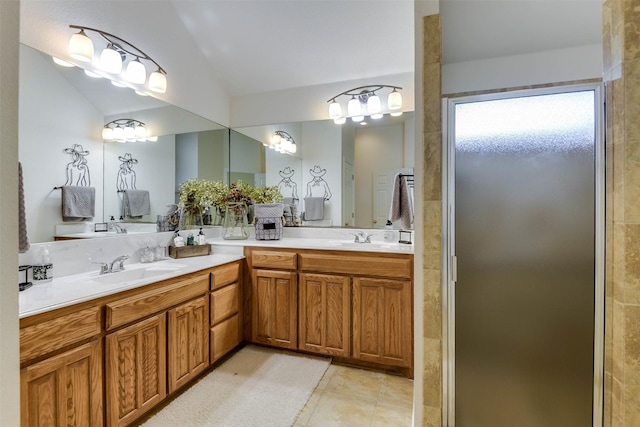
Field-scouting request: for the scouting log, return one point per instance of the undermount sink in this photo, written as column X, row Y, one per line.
column 132, row 275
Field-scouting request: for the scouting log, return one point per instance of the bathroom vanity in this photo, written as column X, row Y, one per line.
column 106, row 349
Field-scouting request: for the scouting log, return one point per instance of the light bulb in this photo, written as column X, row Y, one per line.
column 107, row 133
column 335, row 110
column 395, row 100
column 276, row 139
column 158, row 82
column 353, row 107
column 136, row 72
column 81, row 47
column 373, row 104
column 111, row 60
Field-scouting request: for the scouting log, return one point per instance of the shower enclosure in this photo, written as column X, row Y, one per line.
column 525, row 264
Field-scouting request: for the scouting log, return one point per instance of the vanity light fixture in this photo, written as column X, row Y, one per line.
column 126, row 130
column 366, row 102
column 282, row 142
column 112, row 58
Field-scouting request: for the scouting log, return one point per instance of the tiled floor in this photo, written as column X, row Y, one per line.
column 352, row 397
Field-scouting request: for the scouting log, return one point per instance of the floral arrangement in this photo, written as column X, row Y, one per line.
column 197, row 193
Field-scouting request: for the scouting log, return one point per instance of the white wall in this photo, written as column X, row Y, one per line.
column 561, row 65
column 9, row 350
column 322, row 146
column 155, row 172
column 53, row 116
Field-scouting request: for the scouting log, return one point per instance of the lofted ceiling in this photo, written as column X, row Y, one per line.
column 259, row 46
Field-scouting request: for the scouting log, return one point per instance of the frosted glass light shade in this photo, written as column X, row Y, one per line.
column 276, row 139
column 158, row 82
column 118, row 133
column 377, row 116
column 62, row 62
column 340, row 121
column 111, row 61
column 357, row 119
column 374, row 104
column 117, row 83
column 81, row 47
column 335, row 110
column 293, row 148
column 136, row 72
column 353, row 107
column 92, row 74
column 395, row 100
column 129, row 132
column 140, row 132
column 107, row 134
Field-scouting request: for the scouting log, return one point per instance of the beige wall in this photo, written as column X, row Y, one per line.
column 9, row 35
column 621, row 42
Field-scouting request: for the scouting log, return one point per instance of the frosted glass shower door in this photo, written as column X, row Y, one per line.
column 525, row 247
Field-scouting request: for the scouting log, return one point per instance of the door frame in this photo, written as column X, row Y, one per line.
column 449, row 261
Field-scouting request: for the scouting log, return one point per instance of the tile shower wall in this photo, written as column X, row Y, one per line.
column 621, row 45
column 432, row 220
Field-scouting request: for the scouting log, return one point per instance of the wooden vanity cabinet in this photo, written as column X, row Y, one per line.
column 347, row 304
column 225, row 310
column 275, row 308
column 65, row 389
column 188, row 341
column 135, row 369
column 324, row 325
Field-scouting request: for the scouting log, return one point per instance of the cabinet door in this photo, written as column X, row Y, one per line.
column 135, row 370
column 188, row 352
column 275, row 308
column 382, row 311
column 324, row 325
column 64, row 390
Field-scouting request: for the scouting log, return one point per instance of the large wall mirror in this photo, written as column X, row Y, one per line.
column 352, row 166
column 62, row 113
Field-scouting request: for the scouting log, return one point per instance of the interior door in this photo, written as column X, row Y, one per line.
column 525, row 243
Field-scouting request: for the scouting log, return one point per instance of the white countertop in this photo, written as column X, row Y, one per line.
column 315, row 243
column 76, row 288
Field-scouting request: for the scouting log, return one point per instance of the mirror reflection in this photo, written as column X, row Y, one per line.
column 347, row 169
column 62, row 113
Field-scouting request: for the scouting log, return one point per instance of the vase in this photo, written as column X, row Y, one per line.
column 190, row 218
column 235, row 221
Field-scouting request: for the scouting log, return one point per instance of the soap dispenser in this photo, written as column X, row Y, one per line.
column 111, row 225
column 201, row 239
column 43, row 268
column 388, row 232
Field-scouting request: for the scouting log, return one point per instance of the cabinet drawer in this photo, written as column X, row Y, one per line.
column 274, row 259
column 54, row 334
column 138, row 306
column 382, row 266
column 225, row 274
column 224, row 303
column 224, row 337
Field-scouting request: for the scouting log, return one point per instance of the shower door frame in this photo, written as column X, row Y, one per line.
column 449, row 267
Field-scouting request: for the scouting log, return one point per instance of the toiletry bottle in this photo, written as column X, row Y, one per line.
column 201, row 239
column 43, row 268
column 190, row 239
column 178, row 241
column 388, row 232
column 111, row 226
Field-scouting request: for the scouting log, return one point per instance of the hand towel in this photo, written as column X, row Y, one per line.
column 313, row 208
column 23, row 239
column 289, row 201
column 78, row 203
column 401, row 206
column 136, row 203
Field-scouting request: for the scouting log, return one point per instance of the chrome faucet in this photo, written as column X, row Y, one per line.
column 120, row 261
column 119, row 229
column 362, row 237
column 104, row 267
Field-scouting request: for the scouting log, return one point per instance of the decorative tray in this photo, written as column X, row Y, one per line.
column 189, row 251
